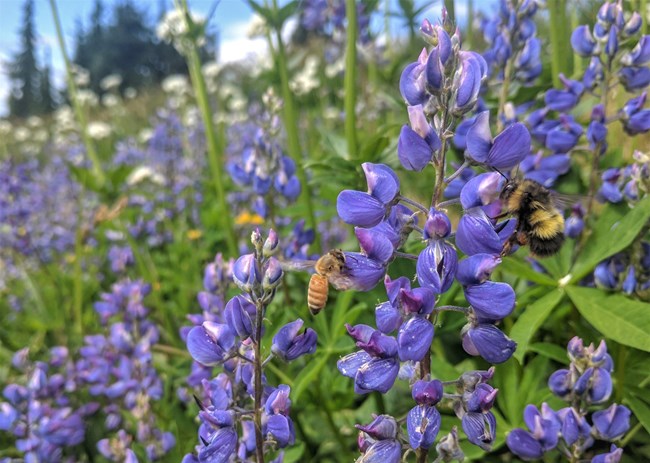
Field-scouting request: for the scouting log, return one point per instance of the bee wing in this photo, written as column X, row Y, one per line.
column 341, row 282
column 565, row 201
column 297, row 265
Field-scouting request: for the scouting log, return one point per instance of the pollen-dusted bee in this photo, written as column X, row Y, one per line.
column 539, row 223
column 330, row 268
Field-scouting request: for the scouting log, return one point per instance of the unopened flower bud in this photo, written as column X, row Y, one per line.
column 271, row 244
column 437, row 225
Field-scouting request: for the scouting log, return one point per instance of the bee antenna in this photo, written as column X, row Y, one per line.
column 501, row 173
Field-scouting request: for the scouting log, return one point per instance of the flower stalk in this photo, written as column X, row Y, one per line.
column 97, row 170
column 351, row 78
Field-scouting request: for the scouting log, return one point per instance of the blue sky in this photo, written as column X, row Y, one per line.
column 231, row 19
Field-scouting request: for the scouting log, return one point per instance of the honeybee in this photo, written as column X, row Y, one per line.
column 539, row 223
column 330, row 268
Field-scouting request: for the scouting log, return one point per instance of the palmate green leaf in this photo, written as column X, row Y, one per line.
column 531, row 319
column 617, row 317
column 524, row 270
column 640, row 409
column 612, row 234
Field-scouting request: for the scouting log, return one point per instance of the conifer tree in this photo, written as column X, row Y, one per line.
column 23, row 69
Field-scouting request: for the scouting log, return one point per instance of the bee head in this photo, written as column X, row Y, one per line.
column 508, row 189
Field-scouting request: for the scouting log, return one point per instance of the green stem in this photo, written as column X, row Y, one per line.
column 78, row 291
column 214, row 153
column 577, row 60
column 557, row 11
column 291, row 126
column 351, row 78
column 78, row 110
column 259, row 438
column 628, row 437
column 643, row 10
column 620, row 372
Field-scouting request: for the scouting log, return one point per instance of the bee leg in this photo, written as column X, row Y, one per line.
column 507, row 246
column 521, row 238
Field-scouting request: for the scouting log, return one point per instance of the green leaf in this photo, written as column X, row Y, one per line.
column 294, row 453
column 640, row 409
column 558, row 265
column 611, row 235
column 308, row 375
column 624, row 320
column 551, row 351
column 524, row 270
column 531, row 319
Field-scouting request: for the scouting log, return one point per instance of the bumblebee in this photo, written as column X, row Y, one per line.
column 540, row 224
column 330, row 268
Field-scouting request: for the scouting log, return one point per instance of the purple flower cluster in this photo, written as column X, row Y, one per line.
column 512, row 44
column 39, row 411
column 258, row 163
column 383, row 439
column 39, row 213
column 231, row 336
column 586, row 382
column 165, row 180
column 631, row 182
column 327, row 18
column 119, row 365
column 628, row 271
column 603, row 45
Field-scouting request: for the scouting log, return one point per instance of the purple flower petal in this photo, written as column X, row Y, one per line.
column 376, row 375
column 491, row 300
column 479, row 138
column 359, row 208
column 414, row 339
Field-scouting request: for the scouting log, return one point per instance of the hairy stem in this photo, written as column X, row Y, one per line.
column 259, row 438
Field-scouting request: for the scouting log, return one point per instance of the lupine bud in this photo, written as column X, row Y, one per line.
column 640, row 54
column 412, row 83
column 612, row 423
column 427, row 392
column 629, row 283
column 272, row 275
column 437, row 225
column 245, row 273
column 271, row 244
column 611, row 47
column 238, row 316
column 633, row 25
column 467, row 82
column 422, row 424
column 582, row 41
